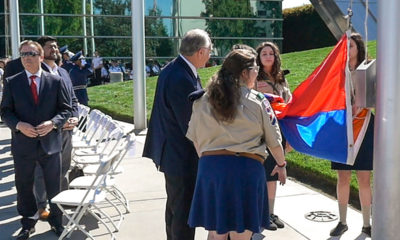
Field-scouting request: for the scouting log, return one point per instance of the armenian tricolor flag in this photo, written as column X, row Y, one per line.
column 318, row 120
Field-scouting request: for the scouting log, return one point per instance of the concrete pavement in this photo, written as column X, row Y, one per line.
column 144, row 187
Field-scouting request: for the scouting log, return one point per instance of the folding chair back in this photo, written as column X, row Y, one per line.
column 129, row 144
column 83, row 112
column 86, row 126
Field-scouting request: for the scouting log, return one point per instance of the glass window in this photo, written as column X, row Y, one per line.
column 29, row 25
column 63, row 26
column 111, row 26
column 111, row 7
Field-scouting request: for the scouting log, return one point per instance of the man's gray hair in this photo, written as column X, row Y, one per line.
column 193, row 41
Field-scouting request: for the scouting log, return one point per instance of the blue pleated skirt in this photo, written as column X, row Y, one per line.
column 230, row 195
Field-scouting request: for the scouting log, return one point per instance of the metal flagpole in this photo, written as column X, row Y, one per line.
column 14, row 22
column 138, row 61
column 386, row 207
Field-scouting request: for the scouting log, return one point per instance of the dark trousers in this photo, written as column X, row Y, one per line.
column 24, row 178
column 96, row 80
column 39, row 186
column 66, row 158
column 179, row 198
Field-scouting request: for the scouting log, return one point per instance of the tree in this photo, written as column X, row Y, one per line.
column 113, row 26
column 155, row 27
column 227, row 28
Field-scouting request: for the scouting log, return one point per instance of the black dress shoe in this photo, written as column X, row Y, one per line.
column 25, row 233
column 57, row 229
column 366, row 230
column 275, row 219
column 339, row 230
column 272, row 226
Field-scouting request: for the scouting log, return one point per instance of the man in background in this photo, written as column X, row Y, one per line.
column 50, row 48
column 166, row 141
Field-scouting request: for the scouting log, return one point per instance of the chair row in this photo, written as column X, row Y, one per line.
column 99, row 146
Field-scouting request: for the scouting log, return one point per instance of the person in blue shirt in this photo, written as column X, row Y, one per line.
column 79, row 76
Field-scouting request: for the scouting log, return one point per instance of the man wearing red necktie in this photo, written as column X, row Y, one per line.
column 35, row 106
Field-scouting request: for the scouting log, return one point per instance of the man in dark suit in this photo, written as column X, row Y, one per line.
column 50, row 48
column 35, row 106
column 166, row 143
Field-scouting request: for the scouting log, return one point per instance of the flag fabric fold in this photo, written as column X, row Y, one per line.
column 318, row 120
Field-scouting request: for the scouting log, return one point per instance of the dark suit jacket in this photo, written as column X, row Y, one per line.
column 13, row 67
column 18, row 105
column 67, row 80
column 166, row 141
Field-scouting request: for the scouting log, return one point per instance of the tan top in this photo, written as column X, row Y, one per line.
column 280, row 89
column 254, row 127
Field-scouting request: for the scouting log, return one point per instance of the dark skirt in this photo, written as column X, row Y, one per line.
column 364, row 159
column 230, row 195
column 270, row 163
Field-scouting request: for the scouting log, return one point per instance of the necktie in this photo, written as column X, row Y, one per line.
column 34, row 89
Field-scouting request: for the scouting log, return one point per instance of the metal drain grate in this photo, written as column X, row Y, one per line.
column 321, row 216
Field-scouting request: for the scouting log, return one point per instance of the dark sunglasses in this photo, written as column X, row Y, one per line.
column 29, row 54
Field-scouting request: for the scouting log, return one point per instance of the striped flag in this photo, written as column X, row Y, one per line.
column 318, row 120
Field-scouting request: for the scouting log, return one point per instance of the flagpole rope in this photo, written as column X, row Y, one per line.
column 366, row 31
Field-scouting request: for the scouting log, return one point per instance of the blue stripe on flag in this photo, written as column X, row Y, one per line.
column 322, row 135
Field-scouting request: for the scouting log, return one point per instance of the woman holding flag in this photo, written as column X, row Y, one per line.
column 363, row 162
column 271, row 80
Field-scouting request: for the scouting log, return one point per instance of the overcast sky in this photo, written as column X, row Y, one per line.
column 294, row 3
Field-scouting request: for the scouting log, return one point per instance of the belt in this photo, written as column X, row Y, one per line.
column 238, row 154
column 79, row 87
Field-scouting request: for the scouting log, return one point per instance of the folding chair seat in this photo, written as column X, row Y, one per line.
column 108, row 185
column 87, row 200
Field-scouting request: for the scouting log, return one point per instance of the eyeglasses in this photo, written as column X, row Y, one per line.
column 210, row 50
column 29, row 54
column 255, row 68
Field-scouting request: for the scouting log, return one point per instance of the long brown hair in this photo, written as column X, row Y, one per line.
column 356, row 37
column 224, row 87
column 276, row 72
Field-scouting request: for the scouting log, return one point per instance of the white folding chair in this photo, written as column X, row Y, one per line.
column 96, row 136
column 110, row 142
column 87, row 200
column 83, row 112
column 116, row 169
column 87, row 127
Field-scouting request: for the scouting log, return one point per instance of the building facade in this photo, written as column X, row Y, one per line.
column 105, row 25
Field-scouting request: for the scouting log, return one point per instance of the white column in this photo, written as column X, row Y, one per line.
column 84, row 27
column 386, row 207
column 138, row 64
column 41, row 18
column 92, row 27
column 14, row 25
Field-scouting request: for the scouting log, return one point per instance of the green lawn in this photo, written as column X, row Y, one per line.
column 117, row 100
